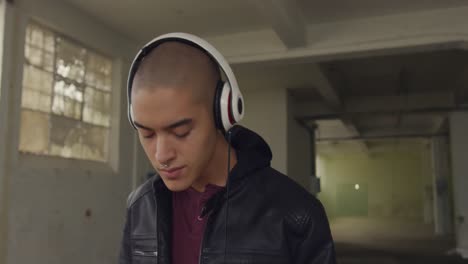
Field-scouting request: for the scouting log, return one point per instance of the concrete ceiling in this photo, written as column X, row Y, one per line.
column 405, row 73
column 405, row 95
column 336, row 10
column 357, row 98
column 143, row 19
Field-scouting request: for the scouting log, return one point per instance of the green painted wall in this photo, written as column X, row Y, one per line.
column 394, row 180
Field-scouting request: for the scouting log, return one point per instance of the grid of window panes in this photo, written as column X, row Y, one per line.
column 66, row 97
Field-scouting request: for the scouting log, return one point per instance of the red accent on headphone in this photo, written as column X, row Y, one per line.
column 231, row 118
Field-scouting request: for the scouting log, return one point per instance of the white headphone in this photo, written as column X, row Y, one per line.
column 228, row 101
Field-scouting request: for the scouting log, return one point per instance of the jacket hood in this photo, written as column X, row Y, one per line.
column 253, row 153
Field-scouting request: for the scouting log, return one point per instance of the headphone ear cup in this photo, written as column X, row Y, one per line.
column 217, row 106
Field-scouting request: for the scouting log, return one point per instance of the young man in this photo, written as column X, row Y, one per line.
column 215, row 198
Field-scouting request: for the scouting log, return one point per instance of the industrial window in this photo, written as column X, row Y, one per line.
column 66, row 97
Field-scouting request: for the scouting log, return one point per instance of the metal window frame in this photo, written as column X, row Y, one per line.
column 56, row 77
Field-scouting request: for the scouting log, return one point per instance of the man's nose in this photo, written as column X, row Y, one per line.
column 165, row 152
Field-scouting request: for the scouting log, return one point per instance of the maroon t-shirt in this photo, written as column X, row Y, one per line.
column 188, row 226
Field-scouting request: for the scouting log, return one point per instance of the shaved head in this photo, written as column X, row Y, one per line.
column 172, row 109
column 175, row 65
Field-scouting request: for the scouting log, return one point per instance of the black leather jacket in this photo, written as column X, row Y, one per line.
column 271, row 219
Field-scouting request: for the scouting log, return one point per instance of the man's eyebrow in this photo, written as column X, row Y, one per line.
column 183, row 122
column 179, row 123
column 141, row 126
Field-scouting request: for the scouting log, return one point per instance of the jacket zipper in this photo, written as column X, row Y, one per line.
column 145, row 253
column 157, row 225
column 203, row 236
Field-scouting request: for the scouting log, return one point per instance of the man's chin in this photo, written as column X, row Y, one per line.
column 176, row 186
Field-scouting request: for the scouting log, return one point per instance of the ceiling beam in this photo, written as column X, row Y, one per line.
column 414, row 103
column 286, row 20
column 388, row 133
column 334, row 101
column 355, row 133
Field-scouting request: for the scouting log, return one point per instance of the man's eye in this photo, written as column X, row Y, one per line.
column 182, row 135
column 147, row 134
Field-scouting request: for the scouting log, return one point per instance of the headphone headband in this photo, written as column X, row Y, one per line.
column 236, row 98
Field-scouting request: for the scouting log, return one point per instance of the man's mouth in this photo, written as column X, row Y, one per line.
column 172, row 173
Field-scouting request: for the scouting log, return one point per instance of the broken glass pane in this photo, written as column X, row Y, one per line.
column 96, row 107
column 67, row 99
column 72, row 139
column 34, row 132
column 70, row 60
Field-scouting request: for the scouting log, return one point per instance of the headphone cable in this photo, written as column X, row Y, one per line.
column 227, row 196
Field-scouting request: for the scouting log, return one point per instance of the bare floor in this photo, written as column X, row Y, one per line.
column 377, row 241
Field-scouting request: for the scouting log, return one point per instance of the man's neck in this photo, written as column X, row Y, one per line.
column 217, row 172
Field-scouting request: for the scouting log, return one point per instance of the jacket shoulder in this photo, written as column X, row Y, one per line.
column 140, row 191
column 298, row 205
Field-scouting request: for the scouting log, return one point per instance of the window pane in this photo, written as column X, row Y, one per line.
column 65, row 137
column 48, row 61
column 67, row 100
column 96, row 107
column 35, row 36
column 59, row 116
column 35, row 79
column 39, row 57
column 40, row 47
column 34, row 132
column 37, row 87
column 98, row 72
column 70, row 60
column 72, row 139
column 35, row 100
column 33, row 55
column 49, row 42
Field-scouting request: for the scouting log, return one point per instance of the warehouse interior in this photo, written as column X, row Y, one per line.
column 363, row 103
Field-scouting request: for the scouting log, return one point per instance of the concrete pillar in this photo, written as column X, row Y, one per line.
column 7, row 20
column 443, row 220
column 459, row 157
column 266, row 114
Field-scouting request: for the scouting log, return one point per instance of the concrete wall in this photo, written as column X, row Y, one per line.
column 48, row 199
column 269, row 113
column 2, row 26
column 396, row 176
column 442, row 191
column 3, row 178
column 299, row 154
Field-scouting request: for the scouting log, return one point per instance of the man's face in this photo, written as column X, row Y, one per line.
column 177, row 131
